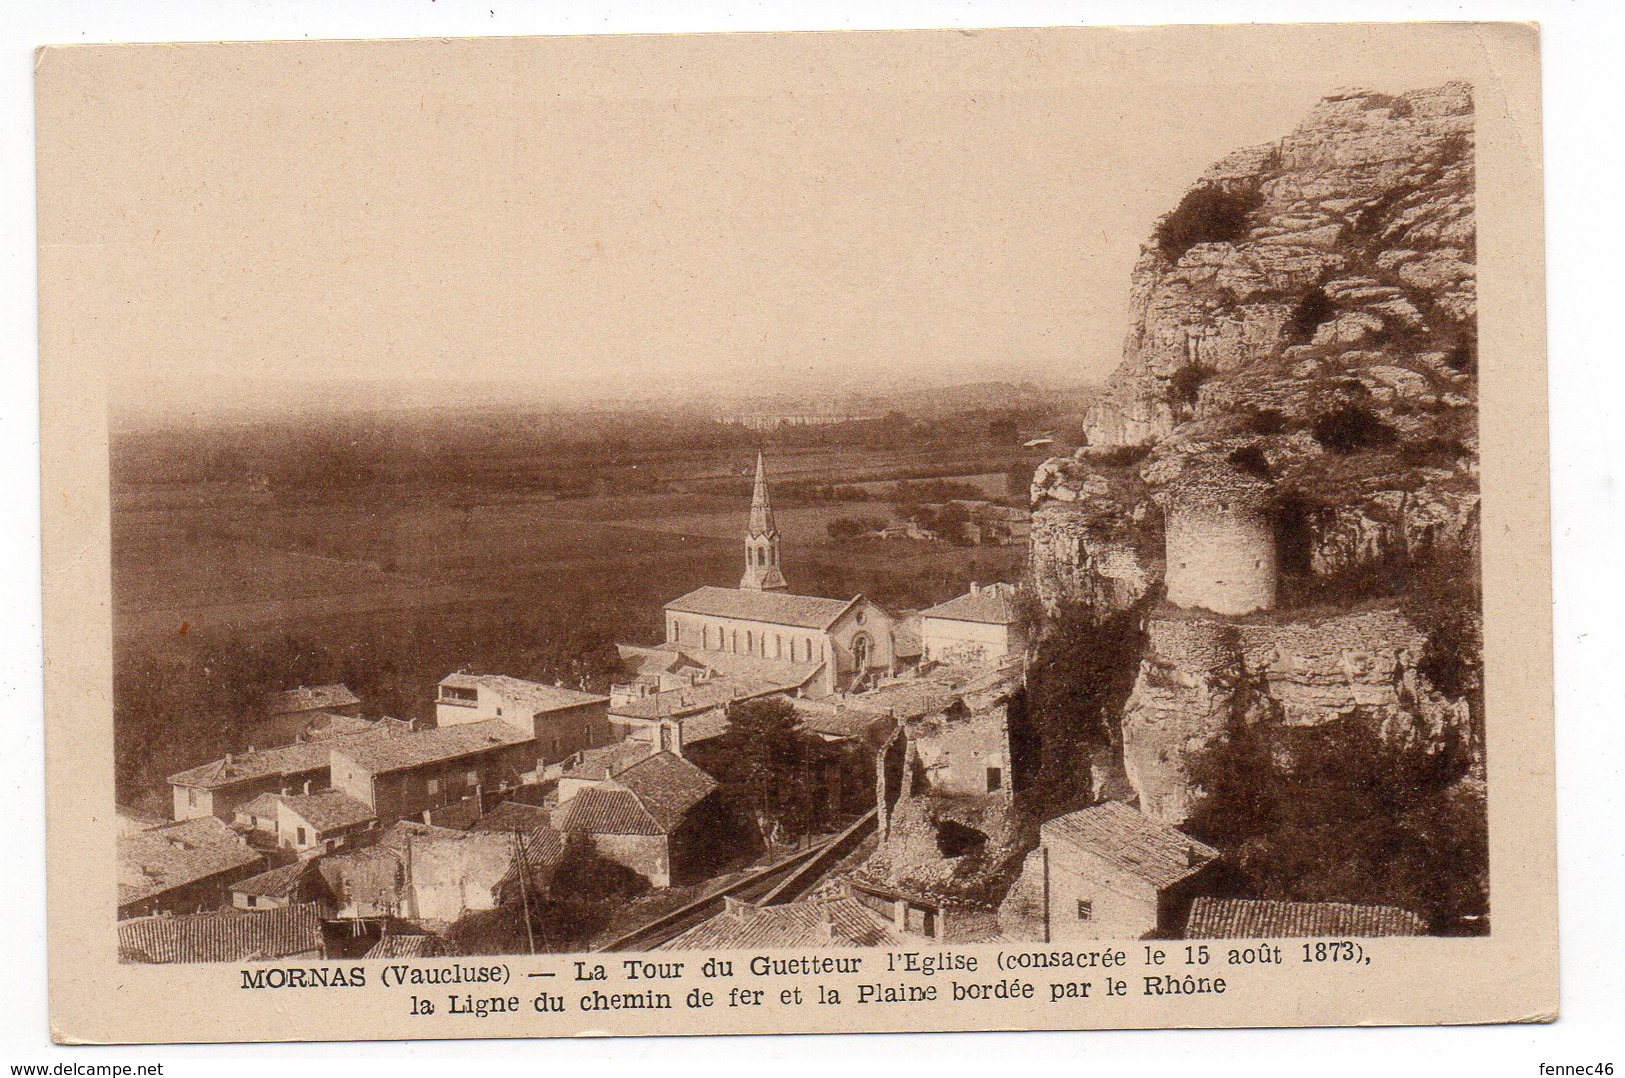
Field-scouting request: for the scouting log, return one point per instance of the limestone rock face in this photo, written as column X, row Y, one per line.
column 1313, row 670
column 1310, row 304
column 1355, row 232
column 1304, row 323
column 1092, row 538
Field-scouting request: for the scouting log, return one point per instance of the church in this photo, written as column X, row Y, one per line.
column 851, row 642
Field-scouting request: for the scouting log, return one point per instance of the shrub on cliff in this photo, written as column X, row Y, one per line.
column 1339, row 813
column 1206, row 215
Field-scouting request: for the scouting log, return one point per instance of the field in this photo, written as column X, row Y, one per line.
column 224, row 590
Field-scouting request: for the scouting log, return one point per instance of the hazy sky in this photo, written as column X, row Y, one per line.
column 547, row 218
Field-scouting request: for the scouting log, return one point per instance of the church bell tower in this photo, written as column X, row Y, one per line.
column 762, row 571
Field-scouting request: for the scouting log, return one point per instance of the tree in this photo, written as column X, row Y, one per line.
column 574, row 905
column 1340, row 812
column 852, row 527
column 769, row 770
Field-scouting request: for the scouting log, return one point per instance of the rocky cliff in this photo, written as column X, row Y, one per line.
column 1304, row 324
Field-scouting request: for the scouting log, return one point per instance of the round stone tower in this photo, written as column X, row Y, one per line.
column 1220, row 539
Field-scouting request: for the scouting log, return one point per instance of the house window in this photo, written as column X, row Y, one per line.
column 499, row 711
column 191, row 796
column 434, row 785
column 473, row 777
column 302, row 837
column 1086, row 909
column 995, row 779
column 253, row 900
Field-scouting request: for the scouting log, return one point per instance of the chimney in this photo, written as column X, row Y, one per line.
column 975, row 588
column 736, row 908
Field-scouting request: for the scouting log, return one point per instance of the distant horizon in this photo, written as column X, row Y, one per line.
column 545, row 221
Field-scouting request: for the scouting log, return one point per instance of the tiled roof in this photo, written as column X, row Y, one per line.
column 830, row 922
column 601, row 763
column 905, row 636
column 1254, row 918
column 704, row 726
column 133, row 819
column 690, row 699
column 1131, row 841
column 607, row 810
column 325, row 725
column 667, row 785
column 431, row 746
column 512, row 816
column 660, row 659
column 906, row 700
column 313, row 698
column 278, row 883
column 837, row 721
column 223, row 936
column 328, row 810
column 774, row 671
column 285, row 760
column 773, row 607
column 264, row 806
column 161, row 859
column 397, row 945
column 992, row 604
column 532, row 695
column 373, row 875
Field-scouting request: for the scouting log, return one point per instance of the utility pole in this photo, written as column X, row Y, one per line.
column 524, row 887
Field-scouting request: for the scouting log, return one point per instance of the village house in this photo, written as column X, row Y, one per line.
column 513, row 816
column 952, row 738
column 679, row 718
column 218, row 788
column 596, row 766
column 1257, row 918
column 1106, row 872
column 423, row 872
column 562, row 721
column 291, row 933
column 653, row 816
column 404, row 777
column 286, row 885
column 307, row 824
column 978, row 628
column 181, row 867
column 836, row 921
column 283, row 716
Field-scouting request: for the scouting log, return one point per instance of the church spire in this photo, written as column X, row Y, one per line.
column 762, row 571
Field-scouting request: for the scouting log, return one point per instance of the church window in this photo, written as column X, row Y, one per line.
column 749, row 646
column 778, row 646
column 1086, row 909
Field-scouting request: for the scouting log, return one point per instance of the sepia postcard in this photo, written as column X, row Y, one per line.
column 749, row 533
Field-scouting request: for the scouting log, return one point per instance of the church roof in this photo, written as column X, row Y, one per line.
column 772, row 607
column 992, row 604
